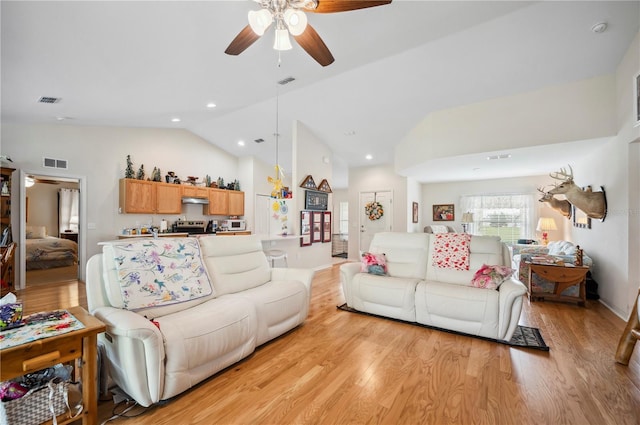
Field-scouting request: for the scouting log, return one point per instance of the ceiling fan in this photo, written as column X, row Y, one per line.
column 290, row 19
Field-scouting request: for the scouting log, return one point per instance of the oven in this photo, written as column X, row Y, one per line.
column 192, row 227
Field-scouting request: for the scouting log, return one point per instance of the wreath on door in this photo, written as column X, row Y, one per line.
column 374, row 210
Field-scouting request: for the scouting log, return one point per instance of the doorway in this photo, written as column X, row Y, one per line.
column 370, row 225
column 50, row 229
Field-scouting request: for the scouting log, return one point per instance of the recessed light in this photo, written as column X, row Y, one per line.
column 501, row 156
column 211, row 105
column 175, row 119
column 350, row 133
column 240, row 142
column 368, row 157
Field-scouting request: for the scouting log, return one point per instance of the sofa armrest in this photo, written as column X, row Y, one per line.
column 347, row 272
column 135, row 350
column 511, row 292
column 303, row 275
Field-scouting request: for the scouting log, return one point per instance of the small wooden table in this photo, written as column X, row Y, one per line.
column 81, row 345
column 563, row 276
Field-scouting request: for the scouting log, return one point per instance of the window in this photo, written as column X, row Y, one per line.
column 509, row 216
column 344, row 218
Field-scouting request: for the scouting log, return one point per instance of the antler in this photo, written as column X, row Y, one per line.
column 563, row 175
column 541, row 190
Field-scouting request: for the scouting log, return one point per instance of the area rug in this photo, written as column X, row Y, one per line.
column 523, row 336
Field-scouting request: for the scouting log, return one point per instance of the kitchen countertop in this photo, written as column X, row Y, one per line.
column 160, row 235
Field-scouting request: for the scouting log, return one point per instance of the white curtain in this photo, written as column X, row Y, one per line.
column 68, row 209
column 496, row 208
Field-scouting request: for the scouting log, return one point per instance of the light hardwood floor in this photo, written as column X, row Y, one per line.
column 345, row 368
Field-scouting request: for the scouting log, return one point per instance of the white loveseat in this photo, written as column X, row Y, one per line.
column 416, row 291
column 236, row 304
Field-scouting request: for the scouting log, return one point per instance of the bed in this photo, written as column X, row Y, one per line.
column 46, row 252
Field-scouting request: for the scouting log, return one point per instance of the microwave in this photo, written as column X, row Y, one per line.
column 233, row 225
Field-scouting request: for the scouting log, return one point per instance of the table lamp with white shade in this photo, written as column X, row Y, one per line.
column 467, row 219
column 545, row 224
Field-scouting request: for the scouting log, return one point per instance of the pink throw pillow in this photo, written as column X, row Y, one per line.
column 490, row 277
column 374, row 263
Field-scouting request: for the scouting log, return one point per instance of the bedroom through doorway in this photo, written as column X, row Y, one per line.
column 51, row 229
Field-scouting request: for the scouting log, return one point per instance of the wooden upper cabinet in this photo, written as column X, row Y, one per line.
column 236, row 203
column 195, row 191
column 218, row 202
column 168, row 198
column 137, row 196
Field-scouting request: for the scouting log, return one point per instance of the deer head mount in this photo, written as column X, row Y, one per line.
column 594, row 204
column 561, row 205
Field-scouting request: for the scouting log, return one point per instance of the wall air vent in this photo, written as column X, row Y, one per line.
column 47, row 99
column 54, row 163
column 286, row 81
column 259, row 140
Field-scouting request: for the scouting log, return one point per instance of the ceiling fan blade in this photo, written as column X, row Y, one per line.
column 244, row 39
column 310, row 41
column 333, row 6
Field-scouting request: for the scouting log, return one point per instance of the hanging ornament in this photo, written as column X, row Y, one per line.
column 374, row 210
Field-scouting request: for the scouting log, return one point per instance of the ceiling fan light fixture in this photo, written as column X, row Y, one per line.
column 259, row 20
column 282, row 41
column 29, row 181
column 296, row 21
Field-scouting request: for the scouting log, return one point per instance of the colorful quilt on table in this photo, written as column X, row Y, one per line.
column 38, row 326
column 451, row 251
column 157, row 272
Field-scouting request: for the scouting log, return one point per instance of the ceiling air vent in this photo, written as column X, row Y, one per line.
column 46, row 99
column 259, row 140
column 286, row 81
column 54, row 163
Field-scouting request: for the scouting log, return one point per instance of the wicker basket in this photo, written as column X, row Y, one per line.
column 36, row 405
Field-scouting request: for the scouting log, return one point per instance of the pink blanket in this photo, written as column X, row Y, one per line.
column 451, row 251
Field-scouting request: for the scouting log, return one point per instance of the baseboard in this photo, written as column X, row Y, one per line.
column 613, row 310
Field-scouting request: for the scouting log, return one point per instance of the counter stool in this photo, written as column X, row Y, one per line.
column 277, row 254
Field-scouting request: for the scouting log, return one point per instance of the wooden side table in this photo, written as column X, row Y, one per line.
column 72, row 236
column 80, row 345
column 564, row 277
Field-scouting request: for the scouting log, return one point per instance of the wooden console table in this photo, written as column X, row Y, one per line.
column 563, row 276
column 80, row 345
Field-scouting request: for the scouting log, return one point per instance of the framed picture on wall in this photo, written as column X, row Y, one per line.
column 316, row 201
column 316, row 227
column 305, row 228
column 415, row 212
column 326, row 226
column 443, row 212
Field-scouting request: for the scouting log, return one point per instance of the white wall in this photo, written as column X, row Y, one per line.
column 577, row 111
column 370, row 179
column 613, row 244
column 450, row 193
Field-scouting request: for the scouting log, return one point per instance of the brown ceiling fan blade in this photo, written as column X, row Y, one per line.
column 244, row 39
column 310, row 41
column 333, row 6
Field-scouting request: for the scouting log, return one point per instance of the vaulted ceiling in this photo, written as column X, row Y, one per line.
column 141, row 64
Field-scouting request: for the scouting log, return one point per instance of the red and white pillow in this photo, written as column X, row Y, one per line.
column 451, row 251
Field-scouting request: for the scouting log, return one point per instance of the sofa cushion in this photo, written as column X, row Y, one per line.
column 482, row 250
column 235, row 263
column 155, row 273
column 405, row 253
column 384, row 295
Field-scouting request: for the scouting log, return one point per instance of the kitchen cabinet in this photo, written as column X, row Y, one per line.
column 137, row 196
column 218, row 202
column 195, row 191
column 168, row 198
column 225, row 202
column 236, row 203
column 147, row 197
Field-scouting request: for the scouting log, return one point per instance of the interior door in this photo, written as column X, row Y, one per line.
column 369, row 227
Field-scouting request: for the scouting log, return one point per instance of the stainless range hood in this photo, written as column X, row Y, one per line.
column 192, row 200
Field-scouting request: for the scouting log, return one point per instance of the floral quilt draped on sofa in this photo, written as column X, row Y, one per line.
column 554, row 253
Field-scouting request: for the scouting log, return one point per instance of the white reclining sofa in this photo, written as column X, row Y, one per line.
column 179, row 310
column 414, row 290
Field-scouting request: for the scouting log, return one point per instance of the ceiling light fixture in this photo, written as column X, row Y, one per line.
column 241, row 143
column 288, row 21
column 29, row 181
column 211, row 105
column 600, row 27
column 369, row 157
column 175, row 119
